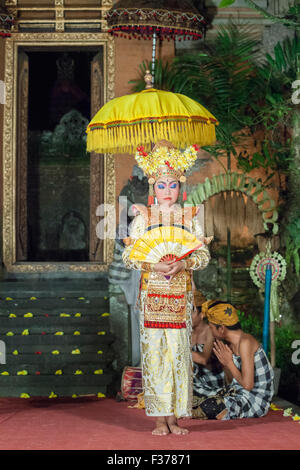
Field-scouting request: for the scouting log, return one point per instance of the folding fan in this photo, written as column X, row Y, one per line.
column 164, row 243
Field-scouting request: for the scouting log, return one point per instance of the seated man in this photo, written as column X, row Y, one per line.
column 208, row 371
column 248, row 372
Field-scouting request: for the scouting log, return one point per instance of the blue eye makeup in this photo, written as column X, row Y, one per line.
column 161, row 186
column 173, row 186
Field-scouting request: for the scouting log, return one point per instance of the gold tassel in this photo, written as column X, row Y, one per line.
column 127, row 138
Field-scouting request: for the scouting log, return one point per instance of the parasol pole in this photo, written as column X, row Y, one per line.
column 266, row 325
column 228, row 265
column 153, row 56
column 272, row 344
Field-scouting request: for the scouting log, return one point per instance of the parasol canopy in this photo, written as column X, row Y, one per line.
column 124, row 123
column 167, row 18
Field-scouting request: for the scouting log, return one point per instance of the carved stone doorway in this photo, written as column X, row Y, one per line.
column 52, row 188
column 55, row 98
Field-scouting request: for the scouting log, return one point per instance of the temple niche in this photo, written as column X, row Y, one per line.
column 58, row 165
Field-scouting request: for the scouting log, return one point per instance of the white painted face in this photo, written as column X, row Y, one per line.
column 166, row 191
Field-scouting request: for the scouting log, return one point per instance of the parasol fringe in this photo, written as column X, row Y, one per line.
column 125, row 139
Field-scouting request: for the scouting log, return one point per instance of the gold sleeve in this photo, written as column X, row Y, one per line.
column 199, row 259
column 137, row 229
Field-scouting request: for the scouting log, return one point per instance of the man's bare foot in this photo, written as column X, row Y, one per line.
column 222, row 414
column 173, row 426
column 161, row 427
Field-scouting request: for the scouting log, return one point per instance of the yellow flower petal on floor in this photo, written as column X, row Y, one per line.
column 63, row 315
column 12, row 315
column 24, row 395
column 98, row 372
column 28, row 315
column 99, row 352
column 105, row 298
column 58, row 372
column 78, row 372
column 33, row 298
column 62, row 298
column 76, row 333
column 81, row 298
column 5, row 373
column 25, row 332
column 74, row 395
column 101, row 333
column 296, row 417
column 22, row 372
column 52, row 395
column 59, row 333
column 8, row 298
column 15, row 352
column 55, row 351
column 274, row 407
column 9, row 333
column 75, row 351
column 77, row 314
column 101, row 395
column 106, row 314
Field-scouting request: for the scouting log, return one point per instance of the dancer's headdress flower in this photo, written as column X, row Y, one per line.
column 165, row 160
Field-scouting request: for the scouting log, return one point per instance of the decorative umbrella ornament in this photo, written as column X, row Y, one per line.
column 156, row 19
column 151, row 115
column 258, row 269
column 168, row 19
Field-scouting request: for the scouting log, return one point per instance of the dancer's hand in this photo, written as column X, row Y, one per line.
column 175, row 267
column 162, row 266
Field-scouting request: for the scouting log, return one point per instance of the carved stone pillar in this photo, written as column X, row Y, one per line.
column 96, row 163
column 21, row 167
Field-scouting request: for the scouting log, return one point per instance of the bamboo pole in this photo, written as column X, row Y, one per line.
column 272, row 344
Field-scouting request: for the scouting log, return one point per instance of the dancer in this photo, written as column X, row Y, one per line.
column 248, row 371
column 166, row 298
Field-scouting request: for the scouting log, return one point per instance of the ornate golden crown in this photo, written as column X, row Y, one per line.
column 166, row 160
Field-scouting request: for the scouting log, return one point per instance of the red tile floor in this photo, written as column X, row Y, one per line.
column 105, row 424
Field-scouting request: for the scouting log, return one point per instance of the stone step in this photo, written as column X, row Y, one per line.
column 9, row 370
column 54, row 288
column 62, row 348
column 38, row 391
column 23, row 380
column 21, row 341
column 58, row 361
column 51, row 323
column 31, row 313
column 53, row 303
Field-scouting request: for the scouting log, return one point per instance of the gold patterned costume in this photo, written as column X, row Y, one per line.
column 165, row 323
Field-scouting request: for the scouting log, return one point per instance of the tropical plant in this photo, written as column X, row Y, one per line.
column 163, row 75
column 275, row 75
column 293, row 244
column 290, row 18
column 251, row 324
column 282, row 61
column 220, row 76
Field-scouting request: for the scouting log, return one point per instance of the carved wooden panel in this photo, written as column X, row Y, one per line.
column 96, row 162
column 21, row 167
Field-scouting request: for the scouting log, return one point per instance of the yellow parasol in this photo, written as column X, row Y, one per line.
column 151, row 115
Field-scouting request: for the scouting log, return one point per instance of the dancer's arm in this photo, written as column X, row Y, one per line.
column 199, row 259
